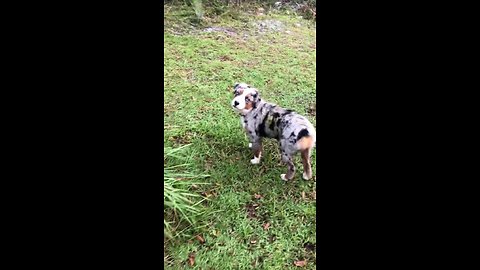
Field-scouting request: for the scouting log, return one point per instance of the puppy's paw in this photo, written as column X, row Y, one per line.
column 250, row 145
column 306, row 176
column 255, row 160
column 283, row 177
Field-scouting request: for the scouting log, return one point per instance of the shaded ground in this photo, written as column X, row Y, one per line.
column 259, row 221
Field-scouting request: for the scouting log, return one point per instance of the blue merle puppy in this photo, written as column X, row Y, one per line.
column 262, row 119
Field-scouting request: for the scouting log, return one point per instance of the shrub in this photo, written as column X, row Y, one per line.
column 180, row 203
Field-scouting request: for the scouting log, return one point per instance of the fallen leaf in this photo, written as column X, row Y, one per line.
column 253, row 241
column 300, row 263
column 257, row 196
column 200, row 238
column 191, row 259
column 266, row 226
column 303, row 195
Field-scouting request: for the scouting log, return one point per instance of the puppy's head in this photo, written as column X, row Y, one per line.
column 245, row 97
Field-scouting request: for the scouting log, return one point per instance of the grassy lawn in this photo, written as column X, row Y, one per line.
column 256, row 220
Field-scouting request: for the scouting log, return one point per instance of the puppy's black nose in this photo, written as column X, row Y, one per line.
column 235, row 103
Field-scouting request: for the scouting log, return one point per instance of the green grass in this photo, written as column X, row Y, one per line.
column 199, row 71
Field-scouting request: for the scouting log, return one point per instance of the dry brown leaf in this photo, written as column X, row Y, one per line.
column 303, row 195
column 208, row 194
column 257, row 196
column 191, row 259
column 253, row 241
column 300, row 263
column 266, row 226
column 200, row 238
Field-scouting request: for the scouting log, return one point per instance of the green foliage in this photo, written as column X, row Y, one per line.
column 211, row 8
column 198, row 8
column 180, row 204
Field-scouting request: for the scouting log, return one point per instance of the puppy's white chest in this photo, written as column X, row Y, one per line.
column 242, row 121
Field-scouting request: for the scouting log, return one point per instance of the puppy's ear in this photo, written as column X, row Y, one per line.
column 255, row 95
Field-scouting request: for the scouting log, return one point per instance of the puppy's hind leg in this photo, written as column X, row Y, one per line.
column 307, row 167
column 305, row 145
column 291, row 167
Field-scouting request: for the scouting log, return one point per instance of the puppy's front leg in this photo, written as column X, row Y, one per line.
column 257, row 151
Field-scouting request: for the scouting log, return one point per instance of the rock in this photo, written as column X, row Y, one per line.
column 270, row 25
column 219, row 29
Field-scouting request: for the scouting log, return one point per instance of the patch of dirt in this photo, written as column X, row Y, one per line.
column 312, row 110
column 225, row 30
column 309, row 246
column 208, row 165
column 269, row 26
column 178, row 28
column 252, row 210
column 180, row 140
column 224, row 58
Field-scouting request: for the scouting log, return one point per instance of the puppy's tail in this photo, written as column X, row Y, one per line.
column 305, row 139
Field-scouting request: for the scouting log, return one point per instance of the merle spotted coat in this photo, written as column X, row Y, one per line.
column 263, row 119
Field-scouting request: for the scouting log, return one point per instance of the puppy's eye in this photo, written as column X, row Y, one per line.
column 247, row 99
